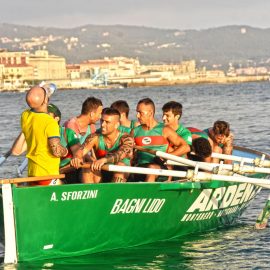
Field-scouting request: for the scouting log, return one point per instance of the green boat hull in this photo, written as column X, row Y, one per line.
column 75, row 220
column 72, row 220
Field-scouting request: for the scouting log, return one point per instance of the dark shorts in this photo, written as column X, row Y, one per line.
column 106, row 177
column 73, row 177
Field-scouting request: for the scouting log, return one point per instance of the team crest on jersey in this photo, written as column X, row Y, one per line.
column 146, row 140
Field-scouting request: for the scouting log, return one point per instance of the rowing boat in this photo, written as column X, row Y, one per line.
column 44, row 222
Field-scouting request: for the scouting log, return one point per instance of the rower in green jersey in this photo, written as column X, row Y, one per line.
column 172, row 112
column 122, row 107
column 154, row 135
column 68, row 139
column 84, row 124
column 109, row 146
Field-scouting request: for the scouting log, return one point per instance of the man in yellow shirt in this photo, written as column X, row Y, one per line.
column 42, row 136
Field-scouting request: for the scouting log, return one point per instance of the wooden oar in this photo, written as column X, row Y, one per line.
column 167, row 156
column 68, row 168
column 31, row 179
column 256, row 161
column 190, row 175
column 22, row 167
column 211, row 167
column 4, row 157
column 237, row 168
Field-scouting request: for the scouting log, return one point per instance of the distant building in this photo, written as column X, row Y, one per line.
column 112, row 67
column 185, row 67
column 47, row 67
column 16, row 69
column 22, row 68
column 215, row 73
column 252, row 71
column 1, row 75
column 16, row 75
column 73, row 72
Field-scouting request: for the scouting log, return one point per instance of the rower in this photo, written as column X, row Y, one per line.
column 111, row 146
column 68, row 139
column 156, row 136
column 201, row 145
column 84, row 124
column 221, row 139
column 172, row 112
column 123, row 108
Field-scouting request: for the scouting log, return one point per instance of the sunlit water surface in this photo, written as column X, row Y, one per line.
column 245, row 106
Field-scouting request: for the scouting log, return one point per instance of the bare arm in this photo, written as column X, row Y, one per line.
column 90, row 143
column 180, row 147
column 74, row 148
column 19, row 146
column 228, row 147
column 56, row 148
column 125, row 150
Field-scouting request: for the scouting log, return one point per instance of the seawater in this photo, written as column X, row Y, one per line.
column 245, row 106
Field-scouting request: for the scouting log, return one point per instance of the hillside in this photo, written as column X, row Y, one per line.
column 216, row 46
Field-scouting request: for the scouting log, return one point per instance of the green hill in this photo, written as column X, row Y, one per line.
column 240, row 45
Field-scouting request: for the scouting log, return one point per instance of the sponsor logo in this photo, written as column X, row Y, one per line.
column 75, row 195
column 146, row 140
column 136, row 206
column 220, row 202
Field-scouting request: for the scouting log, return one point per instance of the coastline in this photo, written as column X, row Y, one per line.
column 143, row 82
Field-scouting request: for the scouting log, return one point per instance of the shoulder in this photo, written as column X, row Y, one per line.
column 184, row 129
column 26, row 112
column 124, row 129
column 70, row 122
column 69, row 131
column 136, row 129
column 93, row 137
column 168, row 131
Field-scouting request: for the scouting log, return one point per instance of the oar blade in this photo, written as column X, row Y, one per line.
column 2, row 160
column 4, row 157
column 262, row 220
column 22, row 167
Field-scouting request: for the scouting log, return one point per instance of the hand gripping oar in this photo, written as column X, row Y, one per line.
column 4, row 157
column 30, row 179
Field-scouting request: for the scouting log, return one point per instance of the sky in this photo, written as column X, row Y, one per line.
column 166, row 14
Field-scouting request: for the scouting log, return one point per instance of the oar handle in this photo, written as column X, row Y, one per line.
column 4, row 157
column 68, row 168
column 7, row 154
column 31, row 179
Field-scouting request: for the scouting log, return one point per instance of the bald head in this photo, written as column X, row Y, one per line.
column 35, row 97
